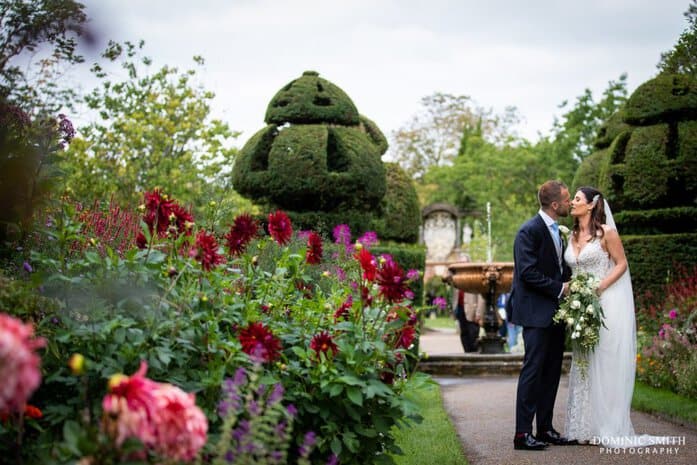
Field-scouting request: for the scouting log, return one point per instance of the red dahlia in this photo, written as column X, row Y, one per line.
column 322, row 343
column 205, row 250
column 162, row 211
column 314, row 249
column 259, row 342
column 405, row 337
column 280, row 228
column 392, row 282
column 344, row 311
column 367, row 261
column 242, row 231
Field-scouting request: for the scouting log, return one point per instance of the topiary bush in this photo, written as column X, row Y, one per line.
column 316, row 154
column 646, row 165
column 401, row 214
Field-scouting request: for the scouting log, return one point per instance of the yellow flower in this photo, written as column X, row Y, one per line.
column 115, row 380
column 77, row 364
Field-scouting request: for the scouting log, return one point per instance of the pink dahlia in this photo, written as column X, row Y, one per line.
column 242, row 231
column 20, row 370
column 129, row 408
column 259, row 342
column 181, row 426
column 280, row 227
column 314, row 249
column 205, row 251
column 162, row 416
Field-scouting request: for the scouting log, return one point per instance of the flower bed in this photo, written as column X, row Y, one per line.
column 320, row 330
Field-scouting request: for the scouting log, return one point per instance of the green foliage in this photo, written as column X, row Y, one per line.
column 400, row 212
column 665, row 98
column 28, row 157
column 588, row 171
column 653, row 259
column 646, row 153
column 26, row 27
column 159, row 305
column 155, row 130
column 657, row 221
column 309, row 100
column 683, row 57
column 432, row 138
column 409, row 257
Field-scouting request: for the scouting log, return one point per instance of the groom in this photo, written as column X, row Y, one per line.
column 539, row 280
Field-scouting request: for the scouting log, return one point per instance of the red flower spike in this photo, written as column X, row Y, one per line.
column 314, row 249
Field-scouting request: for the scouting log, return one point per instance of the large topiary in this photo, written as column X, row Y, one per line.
column 400, row 211
column 316, row 154
column 646, row 164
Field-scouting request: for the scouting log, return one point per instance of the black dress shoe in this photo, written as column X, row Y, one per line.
column 553, row 437
column 527, row 441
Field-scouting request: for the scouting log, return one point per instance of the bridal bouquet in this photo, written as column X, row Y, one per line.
column 581, row 312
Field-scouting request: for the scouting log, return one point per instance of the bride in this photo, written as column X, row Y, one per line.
column 599, row 402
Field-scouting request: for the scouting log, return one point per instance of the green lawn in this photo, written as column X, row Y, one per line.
column 440, row 322
column 664, row 403
column 433, row 440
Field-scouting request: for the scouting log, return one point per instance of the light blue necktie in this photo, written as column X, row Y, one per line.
column 557, row 237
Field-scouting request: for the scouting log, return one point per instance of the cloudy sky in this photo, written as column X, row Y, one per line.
column 388, row 54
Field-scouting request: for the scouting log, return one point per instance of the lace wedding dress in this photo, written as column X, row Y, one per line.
column 599, row 403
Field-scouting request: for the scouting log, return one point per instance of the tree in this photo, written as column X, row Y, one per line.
column 433, row 136
column 153, row 130
column 683, row 57
column 27, row 26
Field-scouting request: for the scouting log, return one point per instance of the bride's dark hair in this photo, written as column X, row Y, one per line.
column 593, row 196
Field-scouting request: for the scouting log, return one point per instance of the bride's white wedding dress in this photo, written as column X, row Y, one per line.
column 599, row 403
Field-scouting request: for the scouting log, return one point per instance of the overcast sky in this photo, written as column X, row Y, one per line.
column 388, row 54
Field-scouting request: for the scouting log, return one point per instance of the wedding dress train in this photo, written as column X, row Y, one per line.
column 599, row 403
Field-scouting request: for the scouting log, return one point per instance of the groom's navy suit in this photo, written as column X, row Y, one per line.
column 538, row 279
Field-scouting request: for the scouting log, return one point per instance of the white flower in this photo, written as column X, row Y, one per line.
column 590, row 308
column 578, row 327
column 570, row 321
column 574, row 286
column 581, row 319
column 575, row 304
column 564, row 230
column 574, row 335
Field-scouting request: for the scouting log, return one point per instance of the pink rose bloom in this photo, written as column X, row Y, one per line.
column 19, row 365
column 181, row 425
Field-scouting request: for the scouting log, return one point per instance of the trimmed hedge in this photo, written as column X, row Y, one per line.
column 647, row 168
column 311, row 167
column 587, row 172
column 610, row 129
column 409, row 256
column 666, row 97
column 652, row 259
column 400, row 212
column 311, row 99
column 359, row 221
column 661, row 221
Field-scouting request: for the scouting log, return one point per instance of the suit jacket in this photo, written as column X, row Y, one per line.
column 537, row 276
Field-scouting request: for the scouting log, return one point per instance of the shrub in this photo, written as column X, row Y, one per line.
column 400, row 212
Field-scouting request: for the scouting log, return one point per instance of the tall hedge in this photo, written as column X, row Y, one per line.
column 646, row 164
column 400, row 212
column 653, row 259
